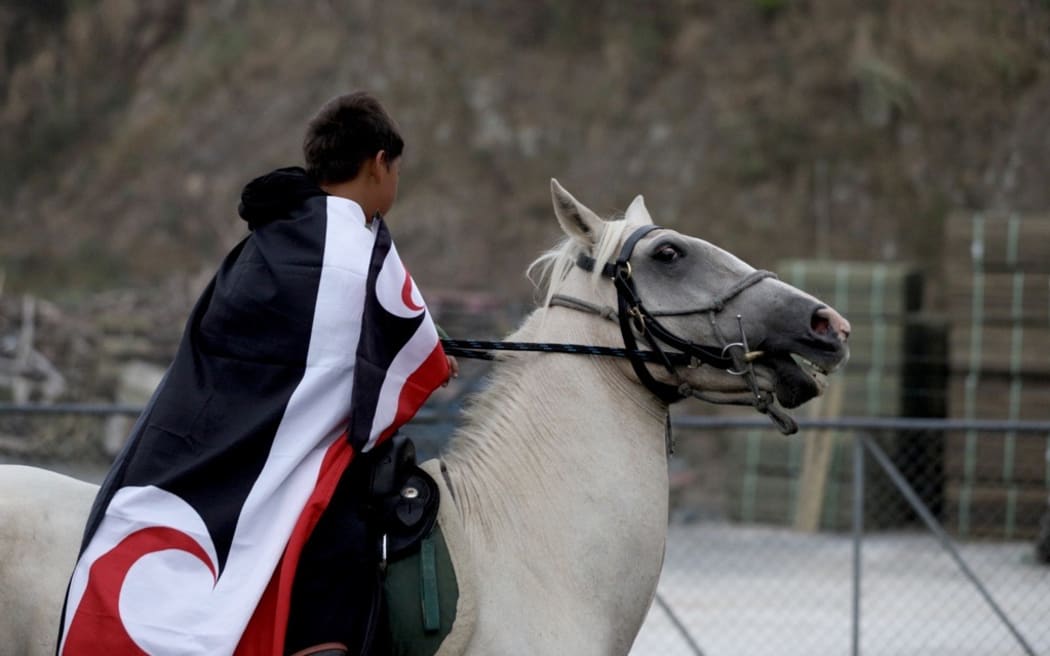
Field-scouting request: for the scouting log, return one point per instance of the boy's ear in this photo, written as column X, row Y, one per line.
column 384, row 159
column 374, row 162
column 371, row 166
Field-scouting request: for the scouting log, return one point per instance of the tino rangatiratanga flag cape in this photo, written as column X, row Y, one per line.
column 312, row 343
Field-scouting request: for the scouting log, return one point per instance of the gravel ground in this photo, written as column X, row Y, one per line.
column 755, row 590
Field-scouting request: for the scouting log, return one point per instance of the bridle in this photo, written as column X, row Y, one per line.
column 636, row 320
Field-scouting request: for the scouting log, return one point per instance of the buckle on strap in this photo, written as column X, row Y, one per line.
column 637, row 319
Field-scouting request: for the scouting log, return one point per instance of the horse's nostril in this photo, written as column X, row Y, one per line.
column 820, row 325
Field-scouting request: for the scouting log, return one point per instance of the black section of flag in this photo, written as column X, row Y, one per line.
column 210, row 425
column 383, row 336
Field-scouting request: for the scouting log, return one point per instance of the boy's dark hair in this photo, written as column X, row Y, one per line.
column 348, row 130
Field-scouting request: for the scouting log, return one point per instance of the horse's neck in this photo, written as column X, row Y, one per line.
column 560, row 477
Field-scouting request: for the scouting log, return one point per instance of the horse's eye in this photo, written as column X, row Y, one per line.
column 667, row 253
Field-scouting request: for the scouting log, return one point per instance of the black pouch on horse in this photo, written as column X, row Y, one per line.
column 381, row 510
column 402, row 499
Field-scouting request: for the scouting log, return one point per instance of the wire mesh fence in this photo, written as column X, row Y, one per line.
column 865, row 536
column 944, row 551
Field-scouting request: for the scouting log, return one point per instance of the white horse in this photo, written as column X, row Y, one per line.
column 555, row 491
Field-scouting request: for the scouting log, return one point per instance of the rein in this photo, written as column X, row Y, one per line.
column 636, row 320
column 479, row 349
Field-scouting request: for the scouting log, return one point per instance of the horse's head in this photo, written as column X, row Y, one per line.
column 700, row 295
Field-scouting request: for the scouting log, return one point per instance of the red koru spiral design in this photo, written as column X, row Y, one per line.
column 96, row 627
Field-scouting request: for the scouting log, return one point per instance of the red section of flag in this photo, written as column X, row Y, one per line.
column 417, row 389
column 265, row 632
column 96, row 627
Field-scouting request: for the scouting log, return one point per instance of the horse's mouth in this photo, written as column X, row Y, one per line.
column 796, row 379
column 791, row 378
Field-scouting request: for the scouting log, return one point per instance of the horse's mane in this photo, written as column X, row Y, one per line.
column 486, row 421
column 549, row 270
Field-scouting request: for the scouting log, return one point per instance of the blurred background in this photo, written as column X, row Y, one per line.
column 890, row 156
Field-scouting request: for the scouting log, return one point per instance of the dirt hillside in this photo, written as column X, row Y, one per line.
column 776, row 128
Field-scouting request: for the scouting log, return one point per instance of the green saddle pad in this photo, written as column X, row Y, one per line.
column 421, row 595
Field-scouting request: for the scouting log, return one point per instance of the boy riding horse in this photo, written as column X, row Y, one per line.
column 233, row 521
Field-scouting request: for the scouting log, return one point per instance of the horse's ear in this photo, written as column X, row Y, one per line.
column 576, row 219
column 637, row 213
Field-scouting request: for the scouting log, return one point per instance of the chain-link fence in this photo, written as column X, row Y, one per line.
column 866, row 536
column 765, row 553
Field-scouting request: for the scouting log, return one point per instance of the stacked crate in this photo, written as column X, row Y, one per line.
column 767, row 473
column 997, row 277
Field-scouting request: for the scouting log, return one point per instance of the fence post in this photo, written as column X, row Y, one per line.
column 858, row 536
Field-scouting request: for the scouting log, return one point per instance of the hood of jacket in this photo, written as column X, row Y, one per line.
column 273, row 196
